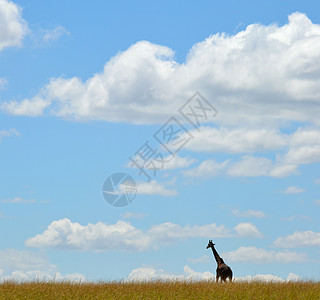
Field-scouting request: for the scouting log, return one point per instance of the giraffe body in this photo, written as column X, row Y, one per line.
column 223, row 270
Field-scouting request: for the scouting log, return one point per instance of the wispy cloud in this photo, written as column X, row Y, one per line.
column 317, row 181
column 3, row 83
column 19, row 200
column 249, row 213
column 8, row 133
column 133, row 215
column 293, row 218
column 55, row 34
column 293, row 190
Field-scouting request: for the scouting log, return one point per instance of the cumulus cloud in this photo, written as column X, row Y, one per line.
column 249, row 213
column 25, row 265
column 292, row 150
column 122, row 236
column 13, row 27
column 250, row 166
column 299, row 239
column 262, row 256
column 262, row 75
column 304, row 147
column 293, row 190
column 150, row 274
column 154, row 187
column 188, row 274
column 247, row 230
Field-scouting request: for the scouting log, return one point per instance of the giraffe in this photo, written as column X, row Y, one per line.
column 223, row 271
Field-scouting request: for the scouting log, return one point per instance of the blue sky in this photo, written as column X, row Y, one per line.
column 83, row 86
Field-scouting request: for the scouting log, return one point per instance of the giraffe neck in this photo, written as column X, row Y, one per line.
column 216, row 255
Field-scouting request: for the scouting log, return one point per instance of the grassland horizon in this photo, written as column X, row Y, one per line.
column 172, row 289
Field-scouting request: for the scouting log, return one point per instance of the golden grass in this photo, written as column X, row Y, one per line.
column 160, row 290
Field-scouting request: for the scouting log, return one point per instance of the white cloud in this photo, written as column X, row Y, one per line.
column 317, row 202
column 249, row 213
column 283, row 170
column 165, row 163
column 300, row 147
column 55, row 34
column 247, row 230
column 132, row 215
column 25, row 265
column 299, row 239
column 150, row 274
column 12, row 260
column 293, row 190
column 250, row 166
column 247, row 166
column 293, row 277
column 317, row 181
column 13, row 27
column 304, row 147
column 202, row 260
column 154, row 188
column 268, row 278
column 206, row 169
column 262, row 75
column 7, row 133
column 177, row 162
column 262, row 256
column 236, row 140
column 23, row 276
column 121, row 236
column 168, row 232
column 3, row 83
column 292, row 218
column 19, row 200
column 26, row 107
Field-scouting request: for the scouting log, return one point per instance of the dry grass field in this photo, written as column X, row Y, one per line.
column 160, row 290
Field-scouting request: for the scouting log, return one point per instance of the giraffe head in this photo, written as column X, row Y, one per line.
column 210, row 244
